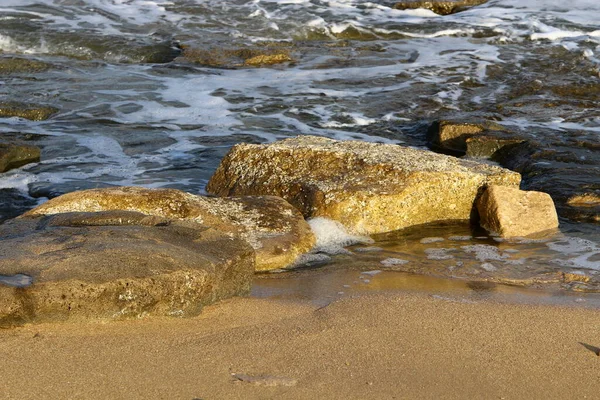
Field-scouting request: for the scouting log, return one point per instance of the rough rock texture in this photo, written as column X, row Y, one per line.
column 28, row 111
column 368, row 187
column 233, row 58
column 439, row 7
column 12, row 65
column 487, row 145
column 511, row 212
column 112, row 265
column 275, row 229
column 16, row 155
column 451, row 136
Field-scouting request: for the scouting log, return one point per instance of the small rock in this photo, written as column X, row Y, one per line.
column 451, row 136
column 12, row 65
column 439, row 7
column 234, row 58
column 14, row 155
column 28, row 111
column 486, row 145
column 511, row 212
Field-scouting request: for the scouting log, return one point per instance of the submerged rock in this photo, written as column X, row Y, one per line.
column 243, row 57
column 487, row 145
column 439, row 7
column 368, row 187
column 510, row 212
column 113, row 265
column 275, row 229
column 28, row 111
column 14, row 155
column 15, row 65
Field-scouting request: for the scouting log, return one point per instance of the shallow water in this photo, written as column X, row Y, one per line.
column 133, row 110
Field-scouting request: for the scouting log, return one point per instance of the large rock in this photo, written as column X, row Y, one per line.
column 439, row 7
column 275, row 229
column 113, row 265
column 368, row 187
column 13, row 155
column 510, row 212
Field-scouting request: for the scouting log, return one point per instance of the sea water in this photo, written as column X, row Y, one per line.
column 133, row 111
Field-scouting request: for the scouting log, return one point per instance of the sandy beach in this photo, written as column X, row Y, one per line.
column 391, row 345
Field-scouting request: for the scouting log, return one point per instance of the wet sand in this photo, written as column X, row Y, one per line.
column 384, row 346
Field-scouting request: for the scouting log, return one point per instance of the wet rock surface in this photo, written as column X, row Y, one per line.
column 440, row 7
column 370, row 188
column 15, row 155
column 235, row 58
column 17, row 65
column 275, row 229
column 31, row 112
column 113, row 265
column 568, row 175
column 510, row 212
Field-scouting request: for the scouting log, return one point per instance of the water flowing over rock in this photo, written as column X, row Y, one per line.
column 439, row 7
column 16, row 65
column 13, row 155
column 368, row 187
column 275, row 229
column 511, row 212
column 235, row 58
column 114, row 265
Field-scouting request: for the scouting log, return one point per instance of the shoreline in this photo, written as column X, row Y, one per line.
column 383, row 345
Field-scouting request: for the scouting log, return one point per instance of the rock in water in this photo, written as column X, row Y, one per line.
column 439, row 7
column 511, row 212
column 115, row 264
column 275, row 229
column 368, row 187
column 14, row 155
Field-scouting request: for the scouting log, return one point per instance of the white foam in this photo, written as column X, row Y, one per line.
column 428, row 240
column 371, row 273
column 439, row 254
column 571, row 245
column 484, row 252
column 332, row 236
column 390, row 262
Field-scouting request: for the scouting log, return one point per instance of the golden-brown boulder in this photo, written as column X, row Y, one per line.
column 510, row 212
column 368, row 187
column 275, row 229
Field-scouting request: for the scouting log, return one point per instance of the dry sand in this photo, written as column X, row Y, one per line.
column 383, row 346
